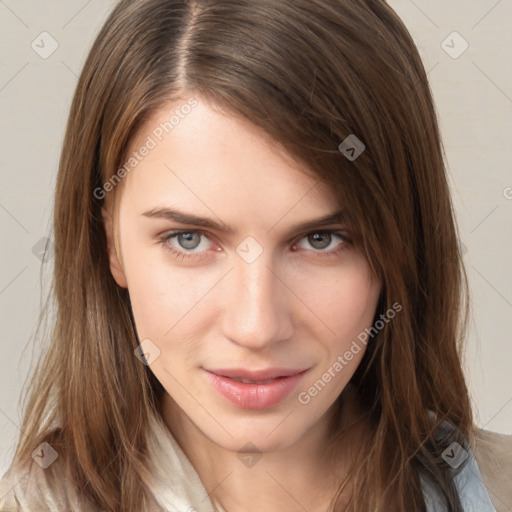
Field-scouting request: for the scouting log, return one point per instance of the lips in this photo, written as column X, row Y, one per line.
column 257, row 389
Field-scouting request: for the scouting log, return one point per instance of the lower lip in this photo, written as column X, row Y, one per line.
column 255, row 396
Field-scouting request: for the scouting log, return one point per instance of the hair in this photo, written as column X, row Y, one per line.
column 309, row 73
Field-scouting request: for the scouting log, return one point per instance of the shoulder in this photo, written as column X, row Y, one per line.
column 493, row 453
column 481, row 468
column 31, row 487
column 17, row 490
column 8, row 483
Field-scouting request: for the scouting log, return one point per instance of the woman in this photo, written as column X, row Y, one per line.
column 259, row 289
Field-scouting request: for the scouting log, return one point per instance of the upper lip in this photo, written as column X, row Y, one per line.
column 257, row 375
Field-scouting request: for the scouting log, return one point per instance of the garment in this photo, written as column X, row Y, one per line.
column 485, row 483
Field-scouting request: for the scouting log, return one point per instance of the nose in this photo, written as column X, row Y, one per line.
column 257, row 312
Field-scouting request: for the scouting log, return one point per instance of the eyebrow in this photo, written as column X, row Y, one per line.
column 188, row 218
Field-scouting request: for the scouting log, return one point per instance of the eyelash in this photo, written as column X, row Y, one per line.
column 196, row 256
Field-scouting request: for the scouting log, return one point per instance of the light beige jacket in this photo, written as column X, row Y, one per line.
column 177, row 487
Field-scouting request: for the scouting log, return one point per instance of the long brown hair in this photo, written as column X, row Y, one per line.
column 310, row 73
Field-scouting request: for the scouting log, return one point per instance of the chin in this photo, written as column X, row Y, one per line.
column 258, row 432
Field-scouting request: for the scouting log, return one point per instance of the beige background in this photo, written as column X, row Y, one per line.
column 473, row 93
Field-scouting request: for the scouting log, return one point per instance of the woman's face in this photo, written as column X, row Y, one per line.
column 254, row 288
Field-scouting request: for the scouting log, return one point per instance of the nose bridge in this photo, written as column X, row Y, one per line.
column 257, row 314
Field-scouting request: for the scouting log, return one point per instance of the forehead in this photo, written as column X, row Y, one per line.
column 204, row 158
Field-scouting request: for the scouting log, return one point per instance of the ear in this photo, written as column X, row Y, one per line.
column 115, row 265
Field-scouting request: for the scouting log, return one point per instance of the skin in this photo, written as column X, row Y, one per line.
column 295, row 306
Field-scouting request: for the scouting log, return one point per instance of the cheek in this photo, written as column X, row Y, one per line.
column 345, row 302
column 164, row 298
column 347, row 306
column 160, row 299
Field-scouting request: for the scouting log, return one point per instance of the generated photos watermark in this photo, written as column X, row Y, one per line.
column 343, row 360
column 152, row 141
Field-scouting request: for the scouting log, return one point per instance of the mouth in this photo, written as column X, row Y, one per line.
column 261, row 389
column 248, row 381
column 257, row 376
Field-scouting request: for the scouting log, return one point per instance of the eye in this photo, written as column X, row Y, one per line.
column 324, row 243
column 189, row 241
column 319, row 240
column 185, row 244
